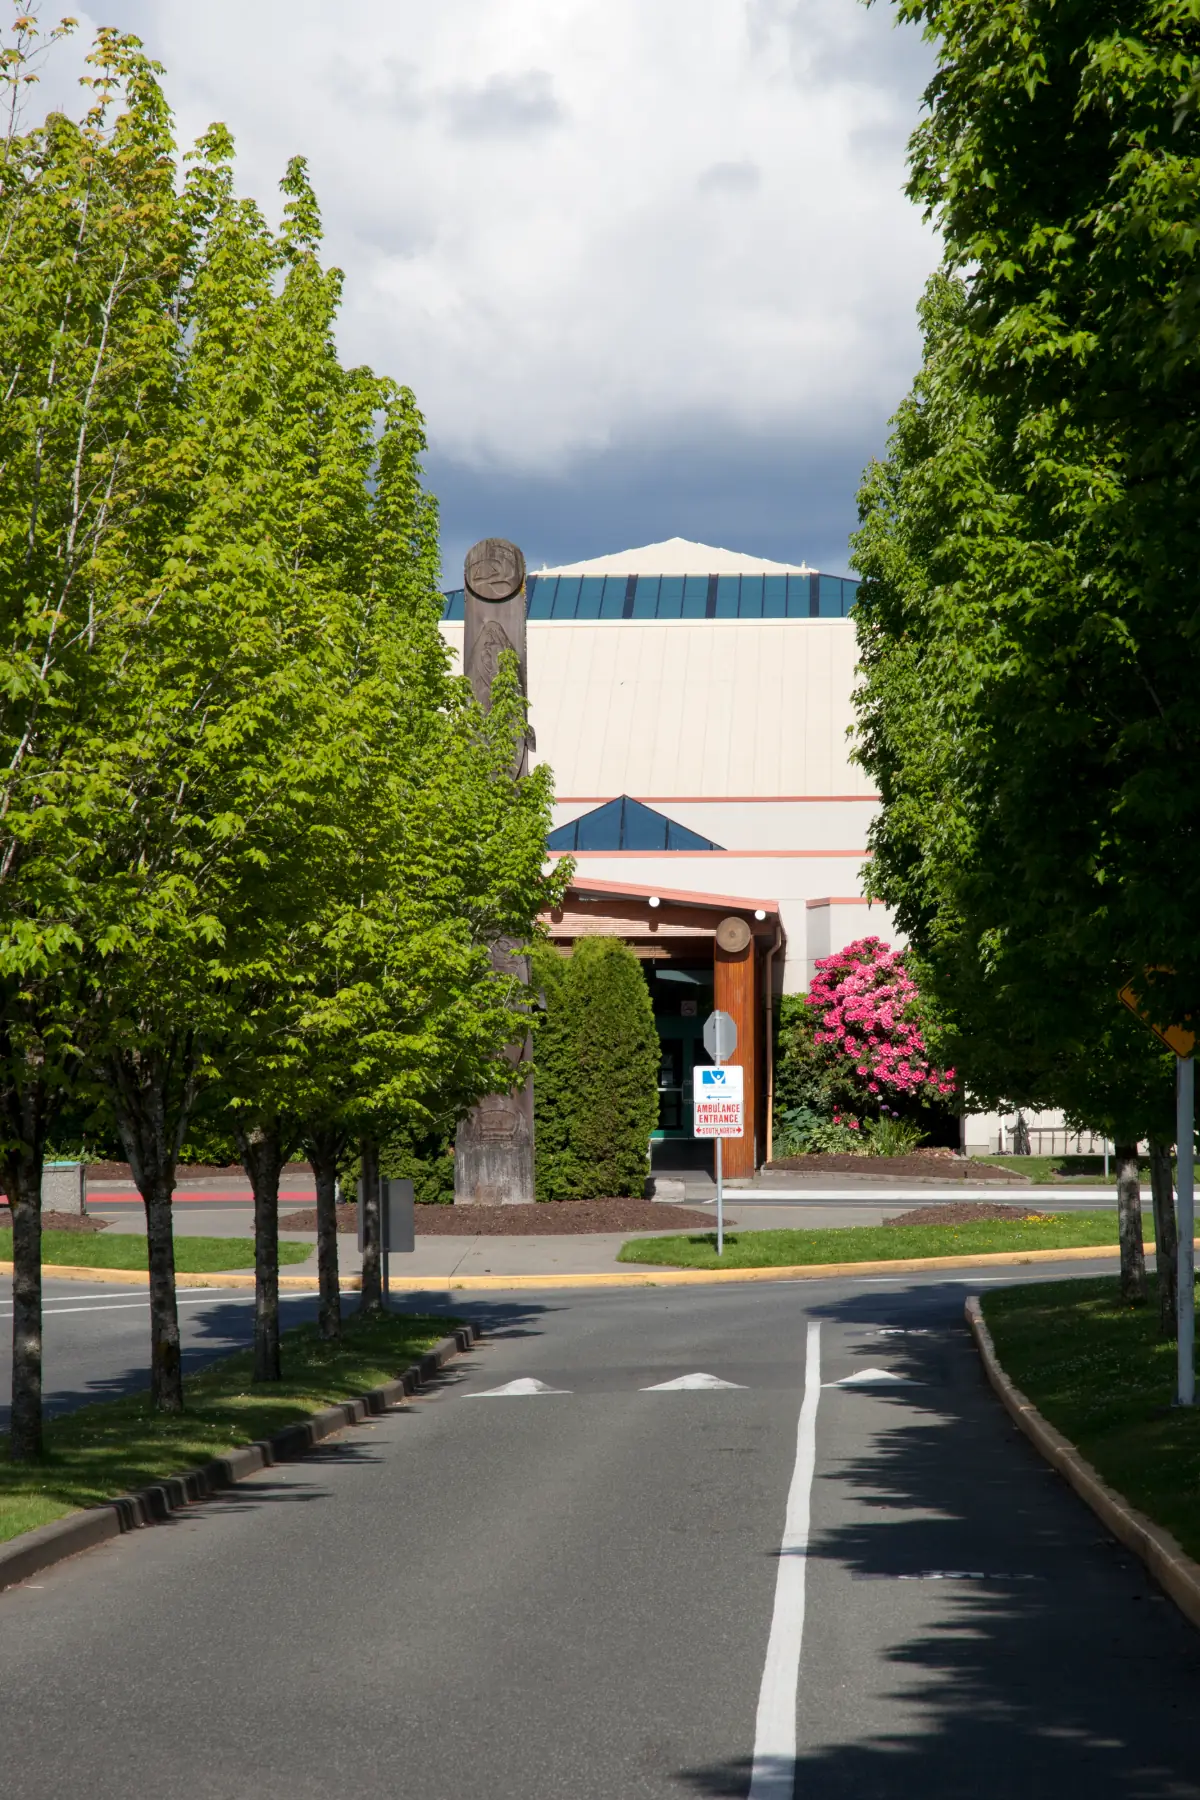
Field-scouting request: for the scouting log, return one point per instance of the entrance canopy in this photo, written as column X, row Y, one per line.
column 720, row 949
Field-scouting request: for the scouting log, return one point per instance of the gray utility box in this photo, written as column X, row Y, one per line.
column 396, row 1216
column 64, row 1187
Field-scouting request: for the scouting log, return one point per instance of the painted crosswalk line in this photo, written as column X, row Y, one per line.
column 699, row 1380
column 515, row 1390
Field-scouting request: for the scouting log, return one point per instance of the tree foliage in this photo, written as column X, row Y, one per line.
column 255, row 838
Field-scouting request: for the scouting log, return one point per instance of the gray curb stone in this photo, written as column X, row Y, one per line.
column 37, row 1550
column 1165, row 1558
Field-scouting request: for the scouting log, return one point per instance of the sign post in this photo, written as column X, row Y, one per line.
column 717, row 1101
column 397, row 1224
column 1183, row 1043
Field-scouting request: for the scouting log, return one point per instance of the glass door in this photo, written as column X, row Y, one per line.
column 682, row 997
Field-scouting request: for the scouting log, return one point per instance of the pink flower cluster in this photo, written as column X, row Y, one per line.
column 864, row 995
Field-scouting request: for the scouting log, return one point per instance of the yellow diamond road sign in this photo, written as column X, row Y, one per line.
column 1175, row 1037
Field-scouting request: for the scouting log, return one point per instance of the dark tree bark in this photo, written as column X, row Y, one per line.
column 325, row 1146
column 263, row 1153
column 35, row 1073
column 23, row 1107
column 371, row 1299
column 152, row 1092
column 1166, row 1239
column 1129, row 1224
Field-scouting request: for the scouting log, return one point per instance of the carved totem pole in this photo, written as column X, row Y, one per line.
column 493, row 1148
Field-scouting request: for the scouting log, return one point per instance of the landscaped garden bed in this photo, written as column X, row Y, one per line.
column 551, row 1218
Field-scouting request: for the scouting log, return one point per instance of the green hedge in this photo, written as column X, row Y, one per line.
column 595, row 1084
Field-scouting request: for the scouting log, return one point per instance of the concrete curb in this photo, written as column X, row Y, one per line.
column 1170, row 1565
column 36, row 1550
column 648, row 1275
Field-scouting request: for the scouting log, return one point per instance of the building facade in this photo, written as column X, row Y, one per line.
column 695, row 706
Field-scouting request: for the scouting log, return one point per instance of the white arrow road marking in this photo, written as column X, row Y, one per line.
column 690, row 1381
column 867, row 1378
column 513, row 1390
column 773, row 1772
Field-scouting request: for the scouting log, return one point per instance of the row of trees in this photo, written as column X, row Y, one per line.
column 254, row 836
column 1028, row 625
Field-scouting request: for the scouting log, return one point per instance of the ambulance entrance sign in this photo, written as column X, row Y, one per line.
column 717, row 1102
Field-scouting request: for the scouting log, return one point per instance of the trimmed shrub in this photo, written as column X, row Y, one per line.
column 595, row 1083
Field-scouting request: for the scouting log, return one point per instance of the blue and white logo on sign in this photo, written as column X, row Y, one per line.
column 714, row 1079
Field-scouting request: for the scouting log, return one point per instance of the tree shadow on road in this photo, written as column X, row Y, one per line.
column 1001, row 1645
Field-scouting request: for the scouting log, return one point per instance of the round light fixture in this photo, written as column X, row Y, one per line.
column 759, row 913
column 654, row 900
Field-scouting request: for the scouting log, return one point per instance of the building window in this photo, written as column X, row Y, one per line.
column 581, row 597
column 625, row 824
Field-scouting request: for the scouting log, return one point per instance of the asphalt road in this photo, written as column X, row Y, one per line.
column 579, row 1593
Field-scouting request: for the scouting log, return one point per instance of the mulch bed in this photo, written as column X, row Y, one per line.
column 962, row 1212
column 59, row 1221
column 928, row 1165
column 556, row 1218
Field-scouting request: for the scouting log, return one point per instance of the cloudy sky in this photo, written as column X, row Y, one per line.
column 647, row 264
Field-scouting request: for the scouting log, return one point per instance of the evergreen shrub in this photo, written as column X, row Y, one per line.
column 595, row 1084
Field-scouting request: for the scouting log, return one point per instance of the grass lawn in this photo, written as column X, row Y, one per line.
column 871, row 1243
column 117, row 1445
column 1053, row 1170
column 127, row 1250
column 1101, row 1373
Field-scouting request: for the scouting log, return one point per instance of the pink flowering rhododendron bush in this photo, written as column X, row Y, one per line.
column 853, row 1070
column 865, row 1002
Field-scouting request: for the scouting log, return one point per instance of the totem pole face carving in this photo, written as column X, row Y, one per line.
column 492, row 641
column 495, row 570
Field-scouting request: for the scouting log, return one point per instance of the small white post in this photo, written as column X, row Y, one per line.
column 1106, row 1159
column 1185, row 1095
column 720, row 1201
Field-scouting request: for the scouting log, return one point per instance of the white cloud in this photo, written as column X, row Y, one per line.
column 568, row 223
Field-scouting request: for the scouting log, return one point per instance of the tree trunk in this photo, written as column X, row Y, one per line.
column 371, row 1299
column 23, row 1184
column 262, row 1151
column 323, row 1148
column 1129, row 1223
column 152, row 1092
column 1166, row 1239
column 166, row 1365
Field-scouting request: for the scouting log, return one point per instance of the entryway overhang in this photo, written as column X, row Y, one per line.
column 740, row 937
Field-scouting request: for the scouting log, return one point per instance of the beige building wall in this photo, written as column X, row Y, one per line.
column 735, row 728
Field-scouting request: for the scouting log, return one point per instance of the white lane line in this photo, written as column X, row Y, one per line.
column 773, row 1773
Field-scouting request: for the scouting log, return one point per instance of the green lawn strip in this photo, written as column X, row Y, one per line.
column 127, row 1250
column 871, row 1243
column 118, row 1445
column 1100, row 1372
column 1054, row 1170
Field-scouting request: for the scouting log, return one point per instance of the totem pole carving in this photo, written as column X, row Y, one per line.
column 493, row 1147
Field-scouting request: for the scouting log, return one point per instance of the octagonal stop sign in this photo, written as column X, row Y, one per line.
column 720, row 1036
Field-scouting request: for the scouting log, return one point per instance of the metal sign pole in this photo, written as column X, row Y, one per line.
column 1185, row 1125
column 720, row 1200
